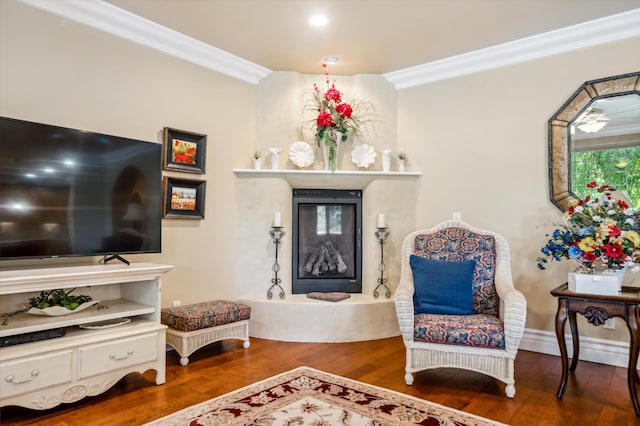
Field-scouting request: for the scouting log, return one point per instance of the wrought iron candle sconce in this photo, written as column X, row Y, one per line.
column 381, row 234
column 276, row 233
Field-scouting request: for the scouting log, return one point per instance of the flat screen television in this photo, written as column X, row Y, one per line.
column 67, row 192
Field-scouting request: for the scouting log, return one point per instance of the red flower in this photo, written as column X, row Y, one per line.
column 324, row 119
column 613, row 251
column 345, row 109
column 592, row 184
column 614, row 231
column 623, row 205
column 333, row 94
column 589, row 256
column 191, row 151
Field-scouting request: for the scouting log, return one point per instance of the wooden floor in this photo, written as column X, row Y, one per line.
column 596, row 394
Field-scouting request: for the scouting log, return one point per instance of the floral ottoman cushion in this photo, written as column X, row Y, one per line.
column 204, row 315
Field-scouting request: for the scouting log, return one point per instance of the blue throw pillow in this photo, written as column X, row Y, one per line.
column 442, row 287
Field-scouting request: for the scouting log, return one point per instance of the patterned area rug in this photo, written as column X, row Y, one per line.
column 305, row 396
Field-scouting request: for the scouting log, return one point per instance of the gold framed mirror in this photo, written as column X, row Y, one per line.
column 572, row 129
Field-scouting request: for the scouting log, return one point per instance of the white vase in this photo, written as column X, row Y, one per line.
column 386, row 160
column 257, row 163
column 275, row 158
column 402, row 167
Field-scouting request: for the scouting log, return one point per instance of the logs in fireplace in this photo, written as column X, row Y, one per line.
column 327, row 240
column 325, row 258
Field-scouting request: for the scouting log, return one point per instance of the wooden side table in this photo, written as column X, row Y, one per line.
column 597, row 309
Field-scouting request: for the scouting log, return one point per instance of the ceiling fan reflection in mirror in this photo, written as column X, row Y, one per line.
column 592, row 120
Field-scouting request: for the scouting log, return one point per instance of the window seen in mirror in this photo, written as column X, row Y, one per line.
column 605, row 146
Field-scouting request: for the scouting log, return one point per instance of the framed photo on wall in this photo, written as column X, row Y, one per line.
column 183, row 198
column 184, row 151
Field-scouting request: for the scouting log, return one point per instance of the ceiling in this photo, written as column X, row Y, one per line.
column 370, row 36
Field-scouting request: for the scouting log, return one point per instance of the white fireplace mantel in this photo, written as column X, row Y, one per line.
column 350, row 179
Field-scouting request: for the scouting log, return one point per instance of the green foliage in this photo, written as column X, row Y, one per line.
column 618, row 167
column 58, row 298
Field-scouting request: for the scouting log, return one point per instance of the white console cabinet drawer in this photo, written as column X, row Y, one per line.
column 35, row 372
column 117, row 354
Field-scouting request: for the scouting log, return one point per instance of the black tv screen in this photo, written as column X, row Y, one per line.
column 67, row 192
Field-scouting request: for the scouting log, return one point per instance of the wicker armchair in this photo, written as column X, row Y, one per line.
column 485, row 341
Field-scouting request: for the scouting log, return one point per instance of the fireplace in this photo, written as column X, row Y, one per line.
column 327, row 241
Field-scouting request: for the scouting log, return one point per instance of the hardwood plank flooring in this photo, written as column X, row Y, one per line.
column 596, row 394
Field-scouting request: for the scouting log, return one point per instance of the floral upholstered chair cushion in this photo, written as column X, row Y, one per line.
column 482, row 328
column 478, row 330
column 458, row 244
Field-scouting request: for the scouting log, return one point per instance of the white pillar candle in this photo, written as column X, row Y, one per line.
column 277, row 219
column 381, row 220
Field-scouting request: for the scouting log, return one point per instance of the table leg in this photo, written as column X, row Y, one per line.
column 573, row 324
column 561, row 319
column 632, row 374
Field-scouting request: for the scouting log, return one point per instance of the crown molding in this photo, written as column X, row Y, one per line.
column 124, row 24
column 598, row 31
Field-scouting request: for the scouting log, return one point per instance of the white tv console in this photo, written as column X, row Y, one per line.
column 40, row 375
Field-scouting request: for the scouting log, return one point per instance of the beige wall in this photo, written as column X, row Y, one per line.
column 57, row 71
column 481, row 142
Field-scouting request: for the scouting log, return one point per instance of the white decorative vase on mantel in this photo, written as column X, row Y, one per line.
column 386, row 160
column 275, row 158
column 608, row 283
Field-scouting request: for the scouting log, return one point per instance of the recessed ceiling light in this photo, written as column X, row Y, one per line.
column 318, row 20
column 331, row 59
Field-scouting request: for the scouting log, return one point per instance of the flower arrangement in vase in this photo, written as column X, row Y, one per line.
column 335, row 118
column 598, row 233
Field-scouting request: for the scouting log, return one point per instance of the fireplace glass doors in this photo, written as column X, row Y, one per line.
column 327, row 240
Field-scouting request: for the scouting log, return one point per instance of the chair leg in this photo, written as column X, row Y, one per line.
column 408, row 378
column 510, row 390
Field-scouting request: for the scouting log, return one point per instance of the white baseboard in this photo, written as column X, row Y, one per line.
column 591, row 349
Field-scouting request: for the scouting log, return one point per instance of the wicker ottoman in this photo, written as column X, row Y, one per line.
column 192, row 327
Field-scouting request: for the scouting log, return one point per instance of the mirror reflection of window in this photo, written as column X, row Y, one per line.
column 329, row 220
column 605, row 146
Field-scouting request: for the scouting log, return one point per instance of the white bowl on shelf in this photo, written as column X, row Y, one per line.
column 301, row 154
column 58, row 311
column 363, row 155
